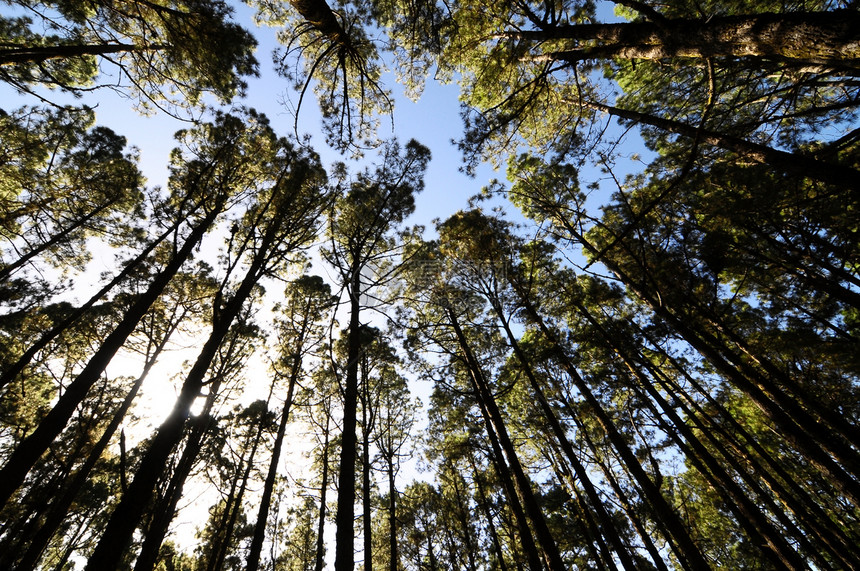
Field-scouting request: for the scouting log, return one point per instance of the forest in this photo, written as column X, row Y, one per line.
column 637, row 349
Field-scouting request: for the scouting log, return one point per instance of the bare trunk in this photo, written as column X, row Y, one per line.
column 19, row 55
column 606, row 522
column 345, row 517
column 320, row 551
column 830, row 39
column 256, row 548
column 59, row 509
column 124, row 520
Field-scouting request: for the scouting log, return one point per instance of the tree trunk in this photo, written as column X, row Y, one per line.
column 345, row 516
column 630, row 510
column 394, row 555
column 124, row 520
column 165, row 509
column 795, row 423
column 320, row 551
column 60, row 507
column 461, row 507
column 320, row 15
column 526, row 540
column 607, row 526
column 829, row 39
column 366, row 428
column 594, row 543
column 686, row 549
column 31, row 449
column 237, row 506
column 485, row 507
column 35, row 54
column 256, row 548
column 494, row 422
column 792, row 163
column 803, row 508
column 12, row 372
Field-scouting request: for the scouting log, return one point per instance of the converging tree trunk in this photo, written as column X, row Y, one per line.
column 31, row 449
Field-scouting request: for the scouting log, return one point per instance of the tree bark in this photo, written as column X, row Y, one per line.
column 237, row 506
column 485, row 507
column 319, row 14
column 345, row 516
column 165, row 509
column 394, row 556
column 320, row 550
column 830, row 39
column 804, row 508
column 796, row 424
column 367, row 416
column 747, row 514
column 35, row 54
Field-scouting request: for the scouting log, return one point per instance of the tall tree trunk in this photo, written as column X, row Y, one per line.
column 366, row 428
column 461, row 506
column 594, row 543
column 165, row 509
column 256, row 548
column 320, row 550
column 792, row 163
column 830, row 39
column 494, row 422
column 630, row 510
column 60, row 506
column 483, row 503
column 804, row 509
column 31, row 449
column 12, row 372
column 796, row 424
column 685, row 548
column 607, row 526
column 237, row 506
column 521, row 523
column 749, row 515
column 123, row 521
column 393, row 554
column 38, row 54
column 345, row 517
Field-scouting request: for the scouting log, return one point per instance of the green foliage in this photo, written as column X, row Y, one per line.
column 63, row 181
column 170, row 53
